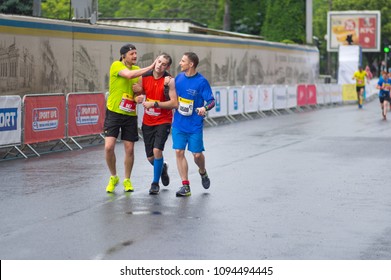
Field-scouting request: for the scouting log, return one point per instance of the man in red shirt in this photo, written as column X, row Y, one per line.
column 160, row 98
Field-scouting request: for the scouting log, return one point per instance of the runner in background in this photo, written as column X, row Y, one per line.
column 359, row 76
column 383, row 85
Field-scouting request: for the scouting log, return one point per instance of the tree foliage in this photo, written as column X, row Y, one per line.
column 282, row 23
column 207, row 11
column 59, row 9
column 247, row 16
column 17, row 7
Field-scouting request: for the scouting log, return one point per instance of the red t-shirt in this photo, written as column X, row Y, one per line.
column 154, row 91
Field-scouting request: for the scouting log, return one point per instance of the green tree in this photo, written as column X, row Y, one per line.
column 206, row 11
column 107, row 8
column 58, row 9
column 247, row 16
column 17, row 7
column 282, row 23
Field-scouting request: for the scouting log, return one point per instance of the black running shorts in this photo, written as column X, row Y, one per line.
column 116, row 123
column 155, row 137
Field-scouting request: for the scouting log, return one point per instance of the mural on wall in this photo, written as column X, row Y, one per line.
column 45, row 63
column 16, row 68
column 256, row 73
column 86, row 72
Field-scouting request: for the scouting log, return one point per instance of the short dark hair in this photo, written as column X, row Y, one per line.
column 125, row 48
column 168, row 57
column 193, row 58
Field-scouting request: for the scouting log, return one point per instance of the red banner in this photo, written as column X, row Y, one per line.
column 86, row 113
column 311, row 95
column 367, row 32
column 44, row 118
column 301, row 95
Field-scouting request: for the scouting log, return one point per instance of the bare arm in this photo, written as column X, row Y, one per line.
column 130, row 74
column 138, row 90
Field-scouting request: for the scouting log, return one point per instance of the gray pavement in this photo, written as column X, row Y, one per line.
column 305, row 186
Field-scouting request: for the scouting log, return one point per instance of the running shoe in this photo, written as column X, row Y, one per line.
column 165, row 178
column 112, row 183
column 154, row 188
column 184, row 191
column 205, row 180
column 128, row 185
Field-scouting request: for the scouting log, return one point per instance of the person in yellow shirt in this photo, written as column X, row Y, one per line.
column 360, row 76
column 121, row 113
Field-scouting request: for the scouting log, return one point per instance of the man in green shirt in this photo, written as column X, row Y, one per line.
column 121, row 115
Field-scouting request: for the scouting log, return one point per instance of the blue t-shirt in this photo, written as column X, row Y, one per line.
column 384, row 83
column 192, row 93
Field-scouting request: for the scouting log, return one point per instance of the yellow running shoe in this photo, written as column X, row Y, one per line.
column 112, row 183
column 128, row 185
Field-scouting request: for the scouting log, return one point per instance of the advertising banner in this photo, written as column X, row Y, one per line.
column 361, row 28
column 86, row 113
column 301, row 95
column 250, row 99
column 279, row 97
column 44, row 118
column 311, row 95
column 221, row 102
column 292, row 96
column 265, row 98
column 10, row 120
column 349, row 92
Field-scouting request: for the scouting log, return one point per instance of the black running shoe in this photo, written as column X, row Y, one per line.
column 165, row 178
column 154, row 188
column 184, row 191
column 205, row 180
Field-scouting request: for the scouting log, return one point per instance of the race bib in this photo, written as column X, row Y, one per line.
column 185, row 106
column 360, row 82
column 386, row 87
column 153, row 111
column 127, row 103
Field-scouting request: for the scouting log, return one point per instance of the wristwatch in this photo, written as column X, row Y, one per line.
column 156, row 105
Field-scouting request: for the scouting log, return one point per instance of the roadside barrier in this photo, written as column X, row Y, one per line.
column 43, row 123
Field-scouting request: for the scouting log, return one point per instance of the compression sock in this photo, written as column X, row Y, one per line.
column 157, row 169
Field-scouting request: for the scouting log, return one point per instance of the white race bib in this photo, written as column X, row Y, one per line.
column 186, row 106
column 127, row 103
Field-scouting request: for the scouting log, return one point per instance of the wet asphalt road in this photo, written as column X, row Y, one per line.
column 313, row 185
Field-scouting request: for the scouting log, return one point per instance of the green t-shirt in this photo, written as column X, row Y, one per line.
column 120, row 90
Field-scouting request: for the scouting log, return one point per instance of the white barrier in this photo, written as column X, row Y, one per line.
column 235, row 102
column 11, row 123
column 221, row 103
column 250, row 97
column 265, row 94
column 231, row 102
column 291, row 96
column 10, row 120
column 279, row 97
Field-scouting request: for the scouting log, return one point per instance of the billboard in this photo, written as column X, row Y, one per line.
column 361, row 28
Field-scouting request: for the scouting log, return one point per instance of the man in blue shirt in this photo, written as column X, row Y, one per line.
column 384, row 85
column 195, row 98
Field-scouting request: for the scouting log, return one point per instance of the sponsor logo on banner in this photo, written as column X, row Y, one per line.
column 218, row 102
column 45, row 119
column 236, row 101
column 87, row 114
column 8, row 119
